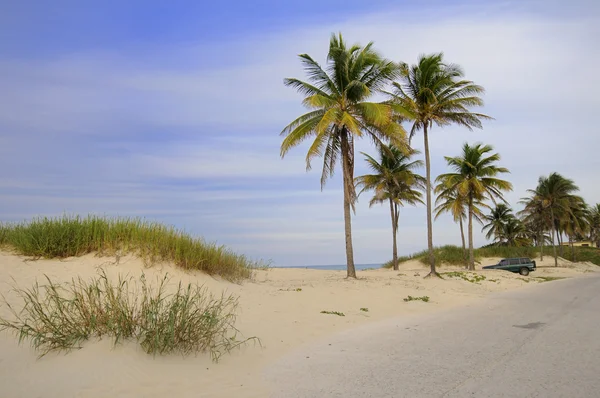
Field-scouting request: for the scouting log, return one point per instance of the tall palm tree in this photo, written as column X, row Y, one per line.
column 340, row 112
column 555, row 196
column 474, row 178
column 496, row 221
column 394, row 180
column 450, row 201
column 433, row 92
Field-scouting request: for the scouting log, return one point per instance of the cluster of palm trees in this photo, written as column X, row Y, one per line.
column 429, row 93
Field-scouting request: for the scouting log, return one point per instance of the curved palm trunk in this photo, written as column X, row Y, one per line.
column 394, row 231
column 347, row 180
column 471, row 252
column 433, row 272
column 462, row 236
column 553, row 235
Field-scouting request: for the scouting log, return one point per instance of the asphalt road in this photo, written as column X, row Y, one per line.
column 543, row 341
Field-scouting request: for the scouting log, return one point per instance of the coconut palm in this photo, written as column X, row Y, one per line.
column 496, row 221
column 474, row 178
column 554, row 194
column 514, row 233
column 449, row 201
column 340, row 112
column 433, row 92
column 537, row 219
column 393, row 180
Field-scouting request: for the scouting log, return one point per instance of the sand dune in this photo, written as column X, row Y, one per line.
column 280, row 306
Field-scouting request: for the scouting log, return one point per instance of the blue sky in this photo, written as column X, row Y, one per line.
column 172, row 111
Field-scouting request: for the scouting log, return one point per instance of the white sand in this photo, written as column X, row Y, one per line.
column 270, row 308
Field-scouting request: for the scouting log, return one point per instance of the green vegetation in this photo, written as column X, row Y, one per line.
column 364, row 309
column 75, row 236
column 452, row 255
column 297, row 289
column 333, row 313
column 466, row 276
column 422, row 298
column 58, row 317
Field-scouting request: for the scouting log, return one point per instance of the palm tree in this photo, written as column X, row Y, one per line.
column 496, row 221
column 394, row 181
column 514, row 233
column 554, row 195
column 474, row 178
column 340, row 112
column 433, row 92
column 537, row 219
column 449, row 201
column 594, row 223
column 576, row 223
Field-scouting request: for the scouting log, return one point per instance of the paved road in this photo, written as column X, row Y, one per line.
column 542, row 341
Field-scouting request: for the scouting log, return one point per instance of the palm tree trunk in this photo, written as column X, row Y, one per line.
column 553, row 234
column 462, row 236
column 572, row 248
column 347, row 199
column 560, row 242
column 541, row 243
column 471, row 252
column 432, row 272
column 394, row 230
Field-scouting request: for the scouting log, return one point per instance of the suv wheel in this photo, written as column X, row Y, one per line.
column 524, row 271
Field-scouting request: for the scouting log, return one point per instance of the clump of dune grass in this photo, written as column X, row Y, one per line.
column 187, row 319
column 422, row 298
column 333, row 313
column 75, row 236
column 466, row 276
column 453, row 255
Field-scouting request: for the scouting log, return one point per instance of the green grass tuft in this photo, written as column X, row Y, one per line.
column 75, row 236
column 422, row 298
column 333, row 313
column 466, row 276
column 57, row 317
column 364, row 309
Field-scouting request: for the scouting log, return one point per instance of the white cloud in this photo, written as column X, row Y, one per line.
column 72, row 130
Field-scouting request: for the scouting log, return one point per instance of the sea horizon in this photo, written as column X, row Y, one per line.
column 334, row 267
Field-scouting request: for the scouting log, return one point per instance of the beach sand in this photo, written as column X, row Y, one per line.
column 280, row 306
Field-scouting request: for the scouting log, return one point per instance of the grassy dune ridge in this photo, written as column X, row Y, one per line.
column 453, row 255
column 75, row 236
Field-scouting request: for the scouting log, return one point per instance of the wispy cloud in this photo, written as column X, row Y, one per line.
column 165, row 131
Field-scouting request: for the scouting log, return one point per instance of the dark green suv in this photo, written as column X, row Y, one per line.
column 522, row 265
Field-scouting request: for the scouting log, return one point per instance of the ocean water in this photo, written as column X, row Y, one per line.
column 337, row 266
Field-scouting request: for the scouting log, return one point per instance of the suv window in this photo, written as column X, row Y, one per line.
column 503, row 262
column 513, row 261
column 525, row 260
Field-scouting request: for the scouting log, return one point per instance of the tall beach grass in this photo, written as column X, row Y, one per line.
column 453, row 255
column 75, row 236
column 187, row 319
